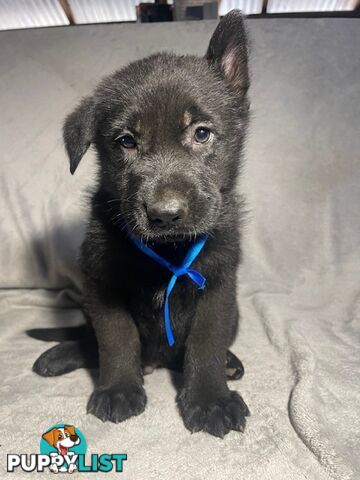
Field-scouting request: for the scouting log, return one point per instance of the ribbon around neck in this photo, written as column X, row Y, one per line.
column 177, row 272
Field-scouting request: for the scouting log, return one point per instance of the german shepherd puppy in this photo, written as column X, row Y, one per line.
column 169, row 132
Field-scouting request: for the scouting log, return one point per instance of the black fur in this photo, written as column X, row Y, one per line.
column 161, row 101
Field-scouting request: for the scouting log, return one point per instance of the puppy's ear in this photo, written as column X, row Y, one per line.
column 50, row 437
column 228, row 52
column 78, row 131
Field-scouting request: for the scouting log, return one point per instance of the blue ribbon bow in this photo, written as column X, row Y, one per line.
column 177, row 272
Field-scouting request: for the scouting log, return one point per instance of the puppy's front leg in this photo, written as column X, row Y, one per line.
column 205, row 402
column 120, row 393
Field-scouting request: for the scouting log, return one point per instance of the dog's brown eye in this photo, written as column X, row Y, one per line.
column 127, row 141
column 202, row 134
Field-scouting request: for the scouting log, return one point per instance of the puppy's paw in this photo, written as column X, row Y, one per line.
column 62, row 358
column 117, row 403
column 216, row 416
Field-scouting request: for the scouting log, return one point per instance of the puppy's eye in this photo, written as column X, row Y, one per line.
column 127, row 141
column 202, row 135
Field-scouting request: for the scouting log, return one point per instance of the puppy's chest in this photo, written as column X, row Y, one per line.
column 148, row 309
column 144, row 282
column 149, row 301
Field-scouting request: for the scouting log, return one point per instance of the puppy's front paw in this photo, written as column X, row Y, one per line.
column 216, row 416
column 117, row 403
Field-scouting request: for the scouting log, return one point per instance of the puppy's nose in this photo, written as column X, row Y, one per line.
column 168, row 212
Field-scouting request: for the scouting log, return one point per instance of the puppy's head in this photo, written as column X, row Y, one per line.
column 168, row 132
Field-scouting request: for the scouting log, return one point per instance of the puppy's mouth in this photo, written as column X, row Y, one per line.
column 187, row 233
column 172, row 237
column 148, row 228
column 159, row 235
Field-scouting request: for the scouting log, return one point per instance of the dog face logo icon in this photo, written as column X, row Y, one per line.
column 63, row 443
column 62, row 438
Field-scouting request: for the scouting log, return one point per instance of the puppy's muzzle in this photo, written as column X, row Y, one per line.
column 167, row 212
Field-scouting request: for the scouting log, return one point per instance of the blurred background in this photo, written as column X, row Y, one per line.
column 16, row 14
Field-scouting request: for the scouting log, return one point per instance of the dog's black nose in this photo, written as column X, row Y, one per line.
column 167, row 212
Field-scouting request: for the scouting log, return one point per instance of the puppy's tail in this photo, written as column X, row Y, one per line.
column 61, row 334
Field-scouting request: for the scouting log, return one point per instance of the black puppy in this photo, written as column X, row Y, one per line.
column 168, row 131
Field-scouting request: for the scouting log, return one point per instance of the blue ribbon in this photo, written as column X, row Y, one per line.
column 177, row 272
